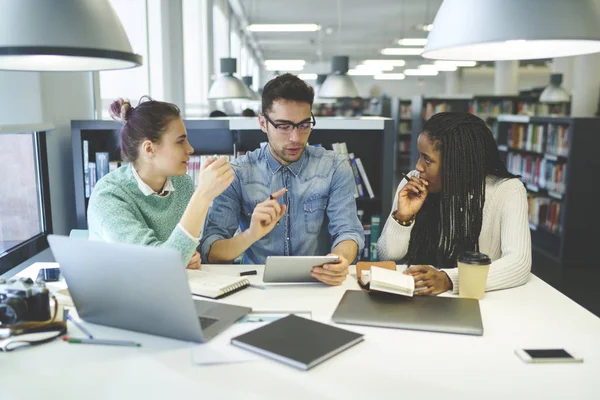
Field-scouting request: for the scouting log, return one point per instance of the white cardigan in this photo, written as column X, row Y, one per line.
column 504, row 236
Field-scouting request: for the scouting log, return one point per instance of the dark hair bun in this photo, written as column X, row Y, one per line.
column 120, row 110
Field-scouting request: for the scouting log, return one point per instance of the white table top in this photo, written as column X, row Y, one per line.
column 390, row 363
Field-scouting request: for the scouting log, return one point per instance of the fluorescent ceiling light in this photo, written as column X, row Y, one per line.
column 284, row 67
column 363, row 72
column 283, row 27
column 395, row 77
column 393, row 63
column 412, row 42
column 374, row 67
column 513, row 30
column 402, row 51
column 61, row 36
column 420, row 72
column 457, row 63
column 438, row 67
column 308, row 77
column 280, row 62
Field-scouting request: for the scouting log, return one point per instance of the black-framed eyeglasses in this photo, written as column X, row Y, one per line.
column 287, row 127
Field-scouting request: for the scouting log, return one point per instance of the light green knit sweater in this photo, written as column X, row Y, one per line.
column 118, row 211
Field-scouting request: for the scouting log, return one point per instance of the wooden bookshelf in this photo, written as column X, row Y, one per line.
column 371, row 139
column 556, row 158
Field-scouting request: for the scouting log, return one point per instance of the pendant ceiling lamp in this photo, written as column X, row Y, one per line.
column 488, row 30
column 554, row 93
column 248, row 82
column 227, row 86
column 338, row 83
column 63, row 35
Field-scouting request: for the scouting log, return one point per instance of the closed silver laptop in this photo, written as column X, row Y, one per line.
column 139, row 288
column 423, row 313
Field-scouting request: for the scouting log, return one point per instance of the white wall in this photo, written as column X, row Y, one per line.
column 20, row 102
column 56, row 98
column 65, row 96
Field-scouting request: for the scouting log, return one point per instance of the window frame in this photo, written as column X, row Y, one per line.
column 32, row 246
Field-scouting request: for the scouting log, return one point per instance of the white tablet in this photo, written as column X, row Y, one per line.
column 293, row 268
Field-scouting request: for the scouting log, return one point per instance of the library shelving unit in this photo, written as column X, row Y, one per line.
column 423, row 108
column 372, row 139
column 402, row 116
column 528, row 103
column 489, row 107
column 556, row 158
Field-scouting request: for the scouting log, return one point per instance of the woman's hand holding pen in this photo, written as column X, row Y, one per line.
column 411, row 198
column 215, row 176
column 266, row 215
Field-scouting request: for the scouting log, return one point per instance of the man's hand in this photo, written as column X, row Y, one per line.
column 266, row 215
column 332, row 274
column 433, row 281
column 194, row 262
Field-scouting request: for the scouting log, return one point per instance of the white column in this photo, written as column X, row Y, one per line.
column 586, row 86
column 64, row 97
column 564, row 66
column 506, row 78
column 454, row 81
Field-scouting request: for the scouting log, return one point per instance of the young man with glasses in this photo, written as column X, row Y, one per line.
column 288, row 198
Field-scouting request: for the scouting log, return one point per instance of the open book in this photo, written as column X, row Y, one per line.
column 214, row 286
column 383, row 276
column 385, row 280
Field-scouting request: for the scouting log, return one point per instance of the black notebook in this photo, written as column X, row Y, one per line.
column 297, row 341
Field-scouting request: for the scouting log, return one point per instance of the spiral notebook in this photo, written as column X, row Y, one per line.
column 215, row 286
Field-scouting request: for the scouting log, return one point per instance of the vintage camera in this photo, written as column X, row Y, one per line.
column 23, row 300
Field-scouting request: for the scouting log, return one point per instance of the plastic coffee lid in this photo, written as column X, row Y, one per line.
column 474, row 257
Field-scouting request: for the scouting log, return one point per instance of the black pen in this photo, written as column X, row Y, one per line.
column 407, row 180
column 252, row 272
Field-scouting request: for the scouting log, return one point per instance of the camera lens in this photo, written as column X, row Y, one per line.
column 12, row 309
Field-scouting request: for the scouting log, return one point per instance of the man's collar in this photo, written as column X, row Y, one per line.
column 275, row 165
column 147, row 190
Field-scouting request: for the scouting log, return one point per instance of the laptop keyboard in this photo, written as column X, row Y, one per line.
column 206, row 322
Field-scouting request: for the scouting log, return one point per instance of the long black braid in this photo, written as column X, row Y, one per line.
column 449, row 223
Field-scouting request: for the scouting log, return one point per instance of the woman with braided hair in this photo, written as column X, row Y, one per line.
column 461, row 197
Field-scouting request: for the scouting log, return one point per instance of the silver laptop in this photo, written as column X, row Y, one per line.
column 423, row 313
column 139, row 288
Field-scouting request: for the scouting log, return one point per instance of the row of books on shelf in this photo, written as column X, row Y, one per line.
column 196, row 162
column 372, row 231
column 93, row 171
column 539, row 171
column 538, row 109
column 544, row 212
column 360, row 175
column 490, row 108
column 552, row 139
column 404, row 145
column 431, row 108
column 405, row 111
column 404, row 128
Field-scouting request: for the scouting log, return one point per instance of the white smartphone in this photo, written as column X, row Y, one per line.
column 547, row 356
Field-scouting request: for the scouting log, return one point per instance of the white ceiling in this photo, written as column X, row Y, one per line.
column 358, row 28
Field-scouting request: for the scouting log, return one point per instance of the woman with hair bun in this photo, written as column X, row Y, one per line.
column 151, row 201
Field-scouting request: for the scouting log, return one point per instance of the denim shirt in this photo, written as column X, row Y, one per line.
column 321, row 209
